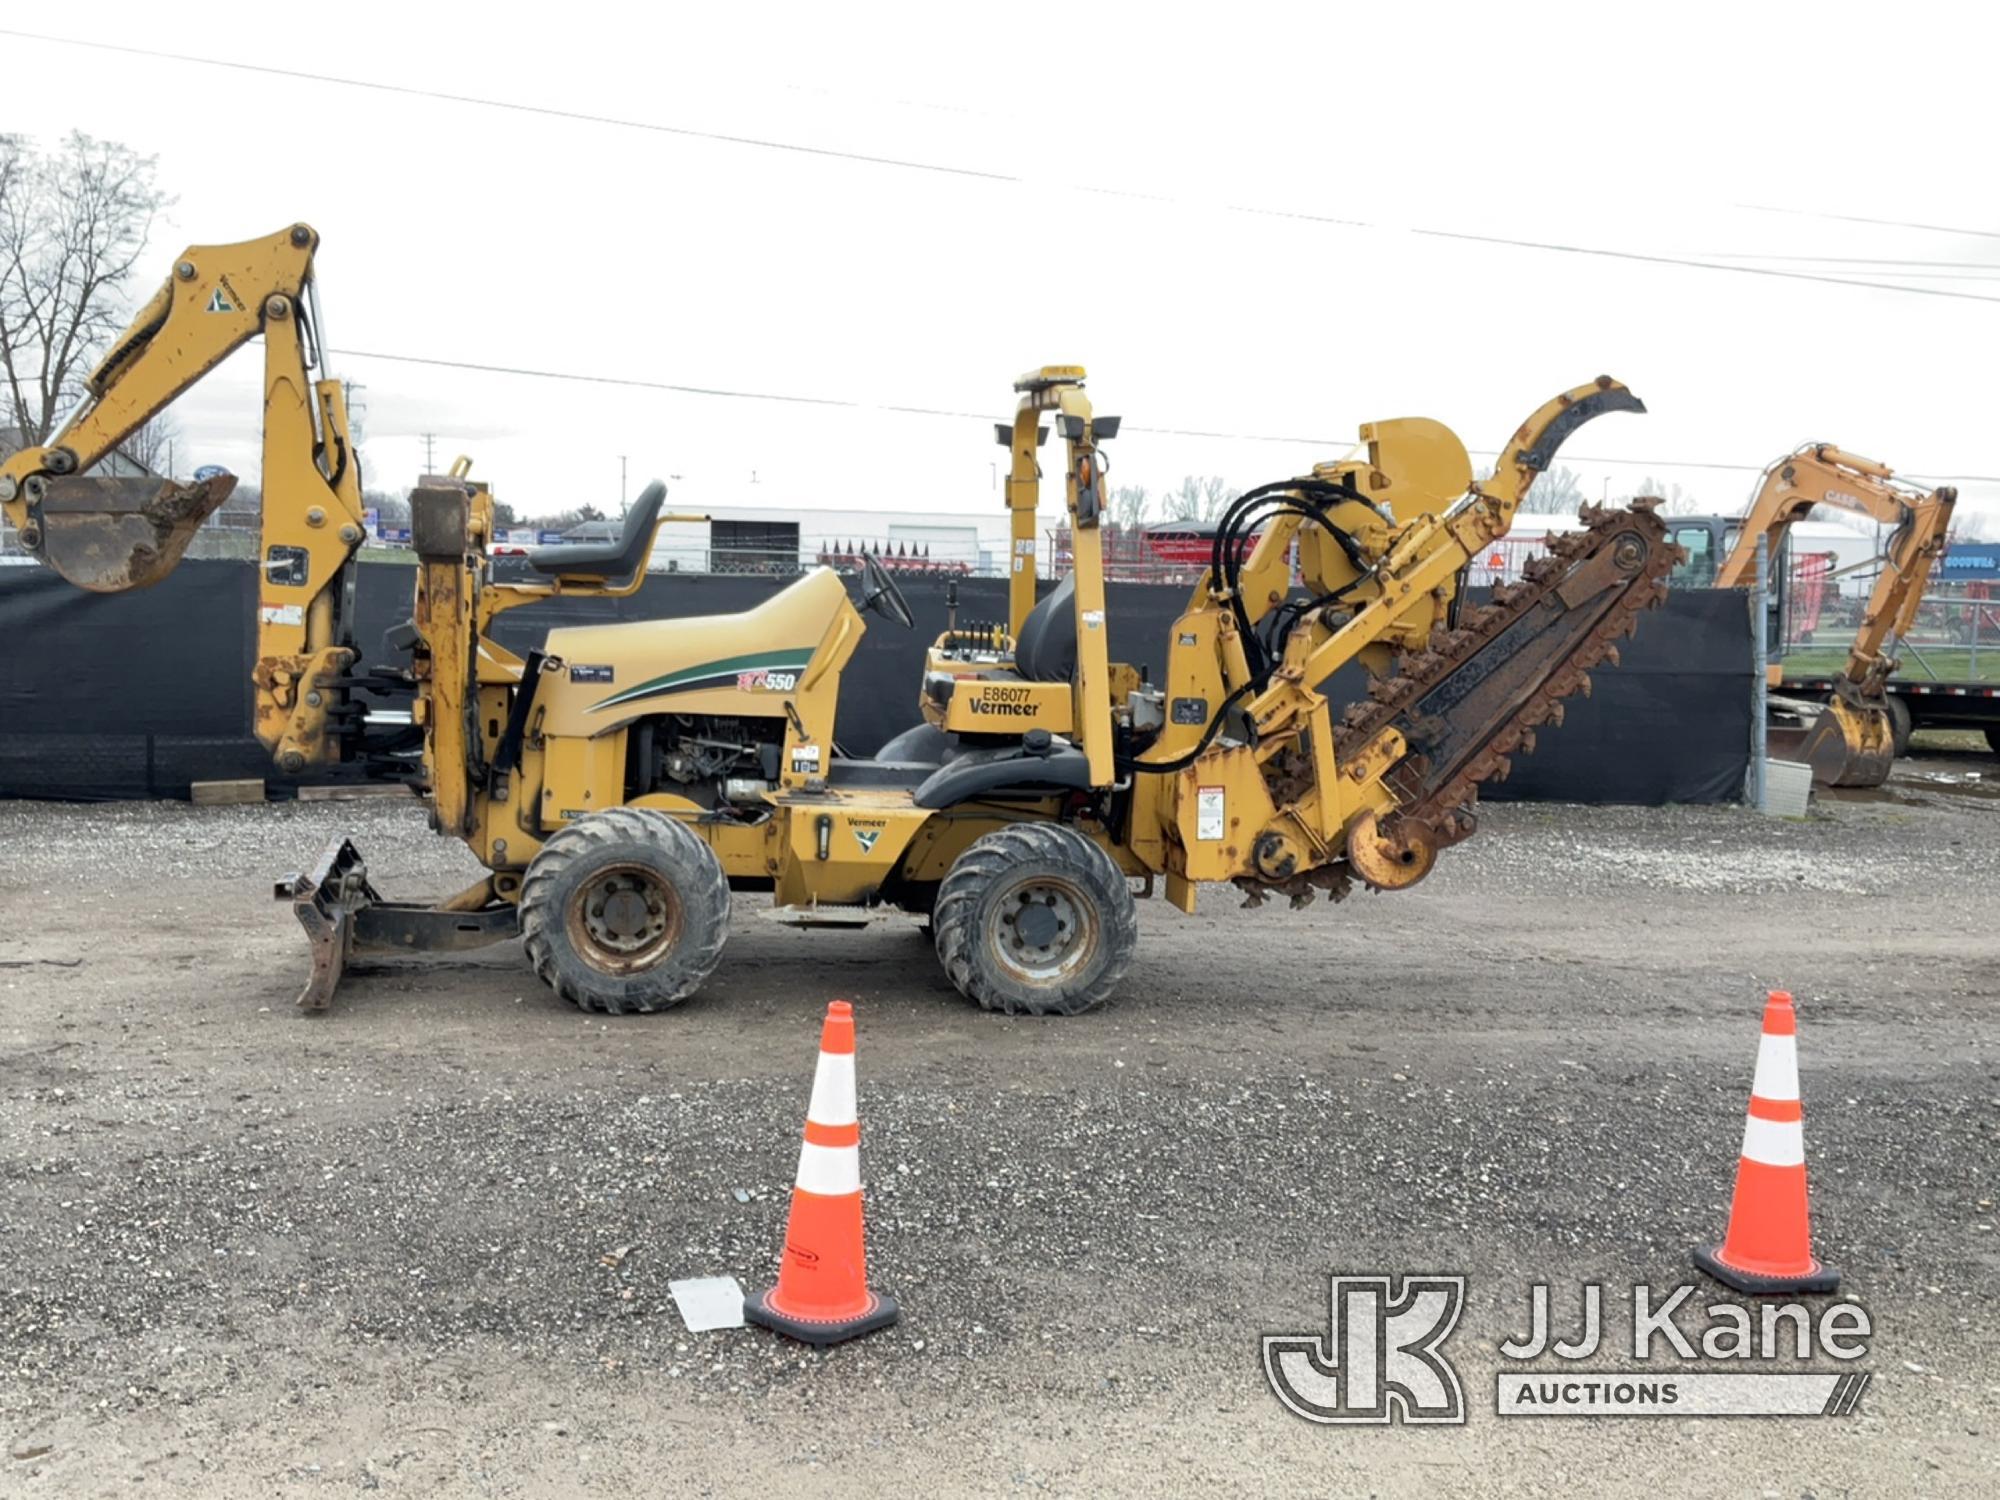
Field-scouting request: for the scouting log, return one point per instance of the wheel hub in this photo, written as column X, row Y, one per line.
column 1044, row 929
column 625, row 919
column 625, row 914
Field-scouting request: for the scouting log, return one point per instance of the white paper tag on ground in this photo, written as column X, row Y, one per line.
column 707, row 1302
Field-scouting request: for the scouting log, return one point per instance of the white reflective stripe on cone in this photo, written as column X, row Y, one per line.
column 833, row 1090
column 830, row 1171
column 1775, row 1143
column 1777, row 1068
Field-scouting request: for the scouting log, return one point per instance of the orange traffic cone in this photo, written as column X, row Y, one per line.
column 822, row 1294
column 1768, row 1248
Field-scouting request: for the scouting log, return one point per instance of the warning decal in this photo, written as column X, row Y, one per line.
column 1208, row 820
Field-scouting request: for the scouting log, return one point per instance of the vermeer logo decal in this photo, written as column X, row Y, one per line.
column 1015, row 701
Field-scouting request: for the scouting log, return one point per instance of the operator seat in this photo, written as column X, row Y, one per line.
column 1045, row 650
column 613, row 563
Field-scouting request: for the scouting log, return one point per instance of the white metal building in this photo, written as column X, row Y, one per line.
column 743, row 538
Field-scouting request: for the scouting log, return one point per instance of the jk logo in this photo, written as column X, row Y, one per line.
column 1379, row 1360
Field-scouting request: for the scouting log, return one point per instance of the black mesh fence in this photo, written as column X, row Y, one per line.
column 139, row 694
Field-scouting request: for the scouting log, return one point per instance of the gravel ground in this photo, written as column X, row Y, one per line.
column 248, row 1253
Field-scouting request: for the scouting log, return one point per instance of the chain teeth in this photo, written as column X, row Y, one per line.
column 1445, row 816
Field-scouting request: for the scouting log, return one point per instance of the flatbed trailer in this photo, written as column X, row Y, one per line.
column 1929, row 705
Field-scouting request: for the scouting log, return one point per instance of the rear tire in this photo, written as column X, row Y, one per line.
column 1035, row 919
column 625, row 910
column 1993, row 738
column 1900, row 726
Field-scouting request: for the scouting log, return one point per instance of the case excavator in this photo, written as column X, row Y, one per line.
column 1854, row 737
column 619, row 782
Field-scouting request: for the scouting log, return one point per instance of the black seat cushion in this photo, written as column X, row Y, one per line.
column 1045, row 650
column 604, row 561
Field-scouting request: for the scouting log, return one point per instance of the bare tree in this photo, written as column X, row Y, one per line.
column 1183, row 504
column 1674, row 500
column 73, row 223
column 1216, row 493
column 1199, row 499
column 1555, row 492
column 1129, row 503
column 150, row 445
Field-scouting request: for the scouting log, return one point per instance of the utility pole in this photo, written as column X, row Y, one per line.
column 621, row 484
column 430, row 453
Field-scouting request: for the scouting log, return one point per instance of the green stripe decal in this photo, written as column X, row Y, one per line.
column 792, row 659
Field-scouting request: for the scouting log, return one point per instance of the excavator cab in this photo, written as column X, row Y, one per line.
column 1707, row 540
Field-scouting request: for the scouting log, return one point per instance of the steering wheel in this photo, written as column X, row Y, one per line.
column 880, row 593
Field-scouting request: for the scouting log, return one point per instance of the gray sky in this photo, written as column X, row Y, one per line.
column 1159, row 218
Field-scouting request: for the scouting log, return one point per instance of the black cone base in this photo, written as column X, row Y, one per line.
column 1821, row 1278
column 757, row 1309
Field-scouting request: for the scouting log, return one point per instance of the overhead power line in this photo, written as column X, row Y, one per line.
column 948, row 169
column 850, row 404
column 479, row 101
column 1851, row 260
column 1705, row 265
column 1814, row 213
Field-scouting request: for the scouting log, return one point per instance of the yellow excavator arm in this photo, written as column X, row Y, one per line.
column 1853, row 741
column 109, row 534
column 1820, row 474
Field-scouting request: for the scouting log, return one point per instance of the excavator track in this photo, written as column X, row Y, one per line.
column 1473, row 700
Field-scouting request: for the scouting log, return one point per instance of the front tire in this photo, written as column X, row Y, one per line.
column 1035, row 919
column 625, row 910
column 1900, row 726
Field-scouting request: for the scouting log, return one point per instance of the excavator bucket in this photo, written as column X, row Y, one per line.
column 1851, row 743
column 109, row 535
